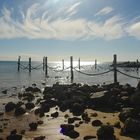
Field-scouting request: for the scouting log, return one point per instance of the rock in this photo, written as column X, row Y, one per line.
column 94, row 114
column 19, row 104
column 96, row 123
column 4, row 91
column 1, row 113
column 13, row 132
column 37, row 111
column 29, row 106
column 89, row 137
column 14, row 137
column 55, row 114
column 70, row 120
column 65, row 128
column 126, row 113
column 77, row 109
column 39, row 138
column 85, row 117
column 33, row 126
column 10, row 106
column 40, row 122
column 100, row 98
column 131, row 126
column 106, row 132
column 22, row 132
column 73, row 134
column 1, row 130
column 19, row 111
column 117, row 125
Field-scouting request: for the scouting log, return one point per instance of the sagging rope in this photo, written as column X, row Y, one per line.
column 129, row 75
column 53, row 68
column 95, row 74
column 60, row 70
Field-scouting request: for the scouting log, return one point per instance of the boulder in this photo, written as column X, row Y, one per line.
column 19, row 111
column 33, row 126
column 10, row 106
column 66, row 128
column 126, row 113
column 77, row 109
column 96, row 123
column 14, row 137
column 29, row 105
column 73, row 134
column 89, row 137
column 131, row 126
column 55, row 114
column 106, row 132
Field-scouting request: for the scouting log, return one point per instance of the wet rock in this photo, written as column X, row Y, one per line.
column 126, row 113
column 39, row 138
column 29, row 106
column 131, row 126
column 89, row 137
column 117, row 125
column 65, row 128
column 55, row 114
column 19, row 111
column 10, row 106
column 106, row 132
column 33, row 126
column 77, row 109
column 14, row 137
column 73, row 134
column 70, row 120
column 96, row 123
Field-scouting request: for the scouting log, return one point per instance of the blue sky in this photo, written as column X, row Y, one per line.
column 87, row 29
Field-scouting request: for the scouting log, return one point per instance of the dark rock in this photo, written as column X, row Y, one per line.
column 65, row 128
column 39, row 138
column 29, row 106
column 10, row 106
column 1, row 130
column 1, row 113
column 13, row 132
column 85, row 117
column 14, row 137
column 89, row 137
column 55, row 114
column 33, row 126
column 126, row 113
column 70, row 120
column 131, row 126
column 117, row 125
column 22, row 132
column 19, row 104
column 40, row 122
column 19, row 111
column 106, row 132
column 77, row 109
column 94, row 115
column 73, row 134
column 4, row 91
column 96, row 123
column 37, row 111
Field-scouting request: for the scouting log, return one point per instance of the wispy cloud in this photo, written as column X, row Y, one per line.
column 134, row 30
column 104, row 11
column 47, row 26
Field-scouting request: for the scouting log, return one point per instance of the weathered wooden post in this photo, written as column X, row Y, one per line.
column 19, row 63
column 95, row 64
column 29, row 64
column 137, row 65
column 46, row 66
column 79, row 64
column 115, row 68
column 71, row 66
column 63, row 64
column 43, row 63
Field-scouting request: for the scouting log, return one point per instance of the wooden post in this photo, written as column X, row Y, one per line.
column 79, row 64
column 137, row 65
column 43, row 63
column 19, row 63
column 46, row 66
column 29, row 64
column 115, row 68
column 95, row 64
column 71, row 66
column 63, row 64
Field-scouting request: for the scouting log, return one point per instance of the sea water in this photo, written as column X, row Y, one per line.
column 11, row 77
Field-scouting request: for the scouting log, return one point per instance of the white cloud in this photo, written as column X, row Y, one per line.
column 47, row 26
column 104, row 11
column 134, row 30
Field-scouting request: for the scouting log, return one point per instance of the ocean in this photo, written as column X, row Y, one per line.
column 10, row 77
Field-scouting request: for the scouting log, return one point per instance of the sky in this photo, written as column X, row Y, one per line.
column 58, row 29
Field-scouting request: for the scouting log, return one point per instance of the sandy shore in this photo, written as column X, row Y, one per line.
column 51, row 126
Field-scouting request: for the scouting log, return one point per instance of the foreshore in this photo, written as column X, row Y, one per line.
column 75, row 111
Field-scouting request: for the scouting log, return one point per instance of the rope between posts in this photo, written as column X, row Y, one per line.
column 53, row 68
column 95, row 74
column 61, row 70
column 129, row 75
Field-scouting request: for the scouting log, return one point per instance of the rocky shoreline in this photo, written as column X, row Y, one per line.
column 77, row 112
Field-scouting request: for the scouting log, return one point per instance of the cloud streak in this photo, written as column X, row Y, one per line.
column 47, row 26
